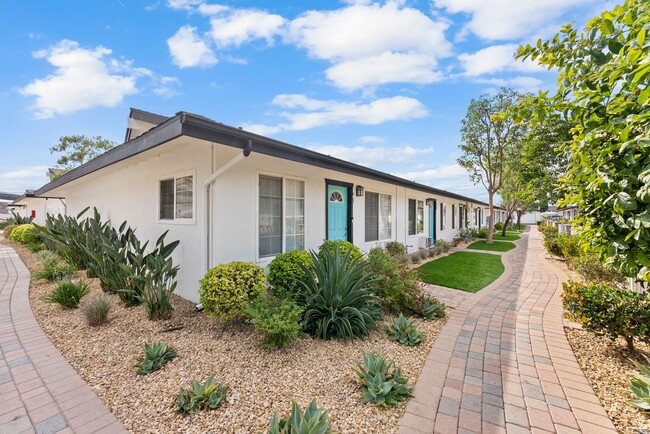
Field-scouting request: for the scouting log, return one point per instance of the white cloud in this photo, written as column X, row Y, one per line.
column 429, row 176
column 495, row 59
column 26, row 172
column 244, row 25
column 371, row 139
column 17, row 181
column 316, row 113
column 521, row 84
column 385, row 68
column 376, row 156
column 508, row 19
column 83, row 79
column 188, row 49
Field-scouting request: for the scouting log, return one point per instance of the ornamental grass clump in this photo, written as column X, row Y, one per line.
column 608, row 311
column 227, row 288
column 381, row 381
column 68, row 294
column 96, row 309
column 155, row 356
column 403, row 330
column 339, row 298
column 208, row 395
column 312, row 421
column 52, row 269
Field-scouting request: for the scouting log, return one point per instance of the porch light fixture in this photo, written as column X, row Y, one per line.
column 359, row 190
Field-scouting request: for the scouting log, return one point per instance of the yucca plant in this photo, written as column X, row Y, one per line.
column 68, row 294
column 313, row 421
column 428, row 307
column 207, row 395
column 382, row 382
column 403, row 331
column 641, row 386
column 338, row 296
column 155, row 356
column 96, row 310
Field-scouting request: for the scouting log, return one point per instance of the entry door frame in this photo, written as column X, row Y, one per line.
column 350, row 199
column 433, row 203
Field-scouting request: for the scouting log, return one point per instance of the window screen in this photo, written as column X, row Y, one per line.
column 167, row 199
column 270, row 218
column 412, row 224
column 295, row 215
column 372, row 216
column 184, row 200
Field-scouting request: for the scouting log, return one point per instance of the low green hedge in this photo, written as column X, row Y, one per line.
column 286, row 269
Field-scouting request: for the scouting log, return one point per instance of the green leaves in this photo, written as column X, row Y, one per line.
column 640, row 386
column 206, row 395
column 403, row 331
column 382, row 382
column 155, row 356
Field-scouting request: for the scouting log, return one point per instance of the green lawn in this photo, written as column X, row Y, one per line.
column 468, row 271
column 497, row 246
column 510, row 235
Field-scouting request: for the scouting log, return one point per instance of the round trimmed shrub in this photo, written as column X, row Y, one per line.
column 498, row 226
column 8, row 229
column 24, row 234
column 344, row 248
column 396, row 249
column 285, row 270
column 226, row 288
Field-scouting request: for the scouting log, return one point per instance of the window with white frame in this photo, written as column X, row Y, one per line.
column 378, row 216
column 416, row 216
column 176, row 198
column 281, row 215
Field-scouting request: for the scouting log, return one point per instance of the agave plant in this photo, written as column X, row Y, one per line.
column 155, row 356
column 641, row 386
column 382, row 382
column 338, row 296
column 207, row 395
column 403, row 331
column 313, row 421
column 428, row 307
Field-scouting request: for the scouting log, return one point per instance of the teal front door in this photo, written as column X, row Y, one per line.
column 432, row 220
column 337, row 212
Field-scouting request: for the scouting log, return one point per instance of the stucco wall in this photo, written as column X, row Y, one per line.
column 129, row 190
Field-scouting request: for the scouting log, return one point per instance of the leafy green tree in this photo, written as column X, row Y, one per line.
column 603, row 89
column 78, row 150
column 488, row 141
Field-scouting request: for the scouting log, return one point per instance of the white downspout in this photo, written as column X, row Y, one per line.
column 207, row 184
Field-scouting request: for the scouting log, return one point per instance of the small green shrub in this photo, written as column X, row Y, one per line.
column 498, row 226
column 209, row 395
column 313, row 421
column 593, row 270
column 155, row 356
column 428, row 307
column 403, row 331
column 569, row 246
column 641, row 386
column 278, row 319
column 609, row 311
column 552, row 245
column 423, row 254
column 96, row 310
column 36, row 247
column 396, row 283
column 227, row 287
column 339, row 298
column 52, row 269
column 285, row 270
column 382, row 382
column 481, row 233
column 343, row 246
column 432, row 252
column 415, row 258
column 548, row 231
column 24, row 234
column 8, row 229
column 443, row 246
column 68, row 294
column 396, row 249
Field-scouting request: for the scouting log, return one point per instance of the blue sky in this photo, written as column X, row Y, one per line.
column 384, row 84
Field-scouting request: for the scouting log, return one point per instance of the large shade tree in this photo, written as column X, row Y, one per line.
column 487, row 142
column 604, row 71
column 77, row 150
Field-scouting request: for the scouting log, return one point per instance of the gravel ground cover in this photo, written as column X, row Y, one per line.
column 608, row 368
column 260, row 381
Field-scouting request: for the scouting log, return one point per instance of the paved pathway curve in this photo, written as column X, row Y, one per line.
column 502, row 362
column 39, row 391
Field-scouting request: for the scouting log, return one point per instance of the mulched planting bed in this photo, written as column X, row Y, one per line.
column 260, row 381
column 608, row 369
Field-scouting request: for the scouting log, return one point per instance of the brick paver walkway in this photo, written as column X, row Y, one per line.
column 39, row 391
column 502, row 362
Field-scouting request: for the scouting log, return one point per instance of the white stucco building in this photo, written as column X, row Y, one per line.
column 228, row 194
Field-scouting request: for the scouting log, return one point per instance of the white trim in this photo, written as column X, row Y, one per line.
column 175, row 176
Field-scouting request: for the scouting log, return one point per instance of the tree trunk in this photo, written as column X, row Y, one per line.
column 505, row 225
column 491, row 224
column 519, row 213
column 630, row 343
